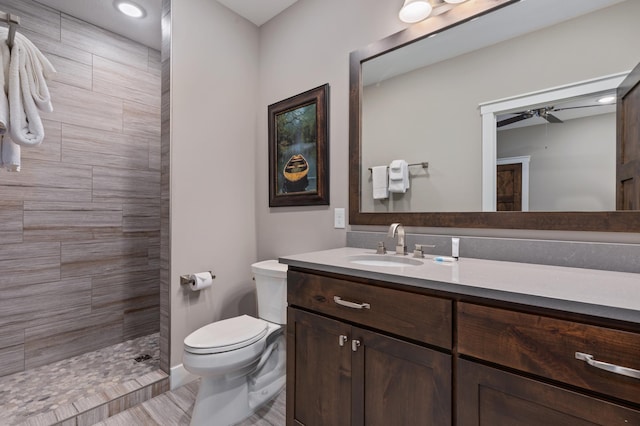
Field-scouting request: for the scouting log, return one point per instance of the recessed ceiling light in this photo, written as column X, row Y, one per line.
column 130, row 9
column 607, row 99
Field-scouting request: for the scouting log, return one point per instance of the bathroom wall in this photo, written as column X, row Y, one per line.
column 214, row 86
column 80, row 224
column 307, row 45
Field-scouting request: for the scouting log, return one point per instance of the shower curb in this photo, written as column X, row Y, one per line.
column 105, row 403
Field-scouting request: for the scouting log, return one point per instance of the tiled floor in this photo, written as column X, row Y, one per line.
column 175, row 407
column 67, row 387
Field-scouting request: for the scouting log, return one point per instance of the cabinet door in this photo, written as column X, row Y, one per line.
column 399, row 383
column 487, row 396
column 318, row 370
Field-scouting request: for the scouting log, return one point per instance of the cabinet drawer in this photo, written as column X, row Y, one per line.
column 410, row 315
column 547, row 347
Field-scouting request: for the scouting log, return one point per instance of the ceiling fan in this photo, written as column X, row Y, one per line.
column 544, row 112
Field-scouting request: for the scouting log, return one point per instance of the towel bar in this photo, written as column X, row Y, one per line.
column 423, row 164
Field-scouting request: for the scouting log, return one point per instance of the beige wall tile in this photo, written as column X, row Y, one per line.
column 49, row 149
column 141, row 217
column 11, row 221
column 59, row 340
column 125, row 82
column 69, row 221
column 11, row 359
column 35, row 17
column 73, row 105
column 84, row 145
column 123, row 291
column 30, row 303
column 53, row 46
column 123, row 185
column 140, row 322
column 104, row 43
column 94, row 258
column 71, row 72
column 140, row 119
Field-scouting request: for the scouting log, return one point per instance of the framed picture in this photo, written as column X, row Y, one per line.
column 298, row 150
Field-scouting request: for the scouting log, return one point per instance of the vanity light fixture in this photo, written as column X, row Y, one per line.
column 130, row 8
column 413, row 11
column 606, row 99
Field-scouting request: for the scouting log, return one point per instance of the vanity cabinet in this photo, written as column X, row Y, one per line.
column 352, row 364
column 537, row 373
column 370, row 352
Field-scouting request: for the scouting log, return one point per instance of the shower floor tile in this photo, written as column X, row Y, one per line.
column 64, row 386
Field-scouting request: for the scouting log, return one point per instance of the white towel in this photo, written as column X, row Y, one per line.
column 27, row 91
column 379, row 181
column 9, row 154
column 398, row 176
column 5, row 58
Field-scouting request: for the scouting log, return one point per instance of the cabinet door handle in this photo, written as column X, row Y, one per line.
column 342, row 339
column 617, row 369
column 354, row 345
column 348, row 304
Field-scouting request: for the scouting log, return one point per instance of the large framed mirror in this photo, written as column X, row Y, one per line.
column 416, row 95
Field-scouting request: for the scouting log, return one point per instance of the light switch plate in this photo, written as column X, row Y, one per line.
column 338, row 218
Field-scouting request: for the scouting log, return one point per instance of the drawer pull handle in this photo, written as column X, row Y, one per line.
column 625, row 371
column 348, row 304
column 355, row 344
column 342, row 339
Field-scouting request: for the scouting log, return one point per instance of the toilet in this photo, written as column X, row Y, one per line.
column 241, row 360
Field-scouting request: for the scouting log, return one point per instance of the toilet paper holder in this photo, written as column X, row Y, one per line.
column 186, row 279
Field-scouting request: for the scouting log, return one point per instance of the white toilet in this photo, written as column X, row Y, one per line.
column 241, row 360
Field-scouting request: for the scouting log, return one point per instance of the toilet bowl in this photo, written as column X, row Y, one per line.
column 241, row 360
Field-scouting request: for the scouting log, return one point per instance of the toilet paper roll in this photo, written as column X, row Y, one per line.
column 200, row 281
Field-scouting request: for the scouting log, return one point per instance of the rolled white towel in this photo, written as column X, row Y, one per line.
column 5, row 57
column 25, row 124
column 9, row 154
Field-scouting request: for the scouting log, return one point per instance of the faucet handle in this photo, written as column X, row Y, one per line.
column 419, row 251
column 381, row 249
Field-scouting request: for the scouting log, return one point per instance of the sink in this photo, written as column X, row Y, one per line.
column 384, row 260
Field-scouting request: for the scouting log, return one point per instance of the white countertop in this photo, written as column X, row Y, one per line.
column 607, row 294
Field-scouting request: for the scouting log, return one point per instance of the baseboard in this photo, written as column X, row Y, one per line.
column 180, row 377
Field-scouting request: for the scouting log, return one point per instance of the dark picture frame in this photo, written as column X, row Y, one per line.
column 299, row 149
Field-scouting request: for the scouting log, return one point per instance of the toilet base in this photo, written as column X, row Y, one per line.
column 229, row 399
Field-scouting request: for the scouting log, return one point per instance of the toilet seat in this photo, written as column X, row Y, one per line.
column 226, row 335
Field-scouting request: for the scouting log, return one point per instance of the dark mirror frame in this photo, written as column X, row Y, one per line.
column 613, row 221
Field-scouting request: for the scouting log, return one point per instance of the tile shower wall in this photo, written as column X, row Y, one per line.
column 80, row 224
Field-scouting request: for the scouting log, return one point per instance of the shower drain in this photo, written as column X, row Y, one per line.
column 142, row 358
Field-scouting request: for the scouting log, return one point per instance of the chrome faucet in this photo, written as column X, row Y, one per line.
column 398, row 229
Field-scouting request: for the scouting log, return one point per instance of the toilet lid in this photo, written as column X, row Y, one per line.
column 226, row 335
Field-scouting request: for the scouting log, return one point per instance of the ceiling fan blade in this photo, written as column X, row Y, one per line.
column 552, row 118
column 581, row 106
column 513, row 119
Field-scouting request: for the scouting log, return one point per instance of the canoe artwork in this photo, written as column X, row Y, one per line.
column 295, row 174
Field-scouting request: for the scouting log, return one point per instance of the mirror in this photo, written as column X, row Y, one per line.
column 431, row 114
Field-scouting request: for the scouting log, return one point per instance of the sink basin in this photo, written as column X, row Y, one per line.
column 384, row 260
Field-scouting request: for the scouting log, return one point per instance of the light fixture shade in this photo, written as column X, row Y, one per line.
column 414, row 11
column 130, row 8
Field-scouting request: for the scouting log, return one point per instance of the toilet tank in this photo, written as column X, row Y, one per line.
column 271, row 289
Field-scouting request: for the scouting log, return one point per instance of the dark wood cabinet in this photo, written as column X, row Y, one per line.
column 489, row 396
column 364, row 353
column 339, row 373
